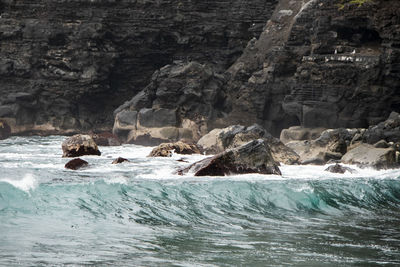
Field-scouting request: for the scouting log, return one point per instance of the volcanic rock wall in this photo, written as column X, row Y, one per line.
column 65, row 65
column 318, row 65
column 315, row 64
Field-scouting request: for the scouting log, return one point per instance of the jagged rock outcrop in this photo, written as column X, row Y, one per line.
column 219, row 140
column 66, row 65
column 332, row 144
column 388, row 131
column 79, row 145
column 252, row 157
column 180, row 103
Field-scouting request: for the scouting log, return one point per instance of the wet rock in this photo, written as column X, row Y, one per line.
column 219, row 140
column 166, row 149
column 5, row 130
column 76, row 164
column 366, row 155
column 337, row 168
column 119, row 160
column 252, row 157
column 80, row 145
column 106, row 139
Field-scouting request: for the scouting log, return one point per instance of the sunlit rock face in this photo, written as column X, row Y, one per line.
column 66, row 65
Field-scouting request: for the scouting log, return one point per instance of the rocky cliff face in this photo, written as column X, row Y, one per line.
column 314, row 64
column 320, row 66
column 65, row 65
column 191, row 66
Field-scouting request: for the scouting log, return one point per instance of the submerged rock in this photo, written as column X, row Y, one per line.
column 337, row 168
column 76, row 164
column 119, row 160
column 165, row 150
column 252, row 157
column 5, row 130
column 219, row 140
column 366, row 155
column 80, row 145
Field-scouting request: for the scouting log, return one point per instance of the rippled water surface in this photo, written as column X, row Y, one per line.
column 141, row 214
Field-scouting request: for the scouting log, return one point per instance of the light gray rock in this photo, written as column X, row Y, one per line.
column 366, row 155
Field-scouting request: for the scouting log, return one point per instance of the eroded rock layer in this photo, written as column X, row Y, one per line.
column 67, row 64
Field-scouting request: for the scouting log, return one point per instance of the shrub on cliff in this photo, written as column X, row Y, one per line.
column 342, row 3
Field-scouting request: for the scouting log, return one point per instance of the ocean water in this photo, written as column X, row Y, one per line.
column 141, row 214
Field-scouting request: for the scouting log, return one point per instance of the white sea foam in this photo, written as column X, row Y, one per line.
column 27, row 183
column 116, row 180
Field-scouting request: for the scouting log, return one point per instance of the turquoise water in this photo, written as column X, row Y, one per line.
column 141, row 214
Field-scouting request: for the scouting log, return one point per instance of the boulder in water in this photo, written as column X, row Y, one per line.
column 76, row 164
column 337, row 168
column 5, row 130
column 80, row 145
column 165, row 149
column 119, row 160
column 366, row 155
column 252, row 157
column 219, row 140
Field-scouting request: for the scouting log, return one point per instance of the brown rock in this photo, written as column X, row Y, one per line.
column 119, row 160
column 76, row 164
column 80, row 145
column 165, row 149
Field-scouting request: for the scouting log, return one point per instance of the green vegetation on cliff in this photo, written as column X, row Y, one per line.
column 353, row 2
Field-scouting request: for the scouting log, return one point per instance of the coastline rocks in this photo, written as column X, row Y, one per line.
column 119, row 160
column 105, row 139
column 179, row 103
column 80, row 145
column 337, row 168
column 165, row 150
column 332, row 144
column 76, row 164
column 5, row 130
column 366, row 155
column 388, row 130
column 219, row 140
column 252, row 157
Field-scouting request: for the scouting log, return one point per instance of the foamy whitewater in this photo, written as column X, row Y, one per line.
column 141, row 214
